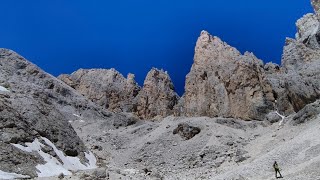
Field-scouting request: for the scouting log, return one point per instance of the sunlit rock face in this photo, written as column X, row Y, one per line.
column 157, row 97
column 106, row 87
column 223, row 82
column 109, row 89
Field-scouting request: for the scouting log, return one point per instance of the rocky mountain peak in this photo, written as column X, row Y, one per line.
column 158, row 79
column 106, row 87
column 109, row 89
column 297, row 83
column 307, row 26
column 157, row 97
column 211, row 50
column 222, row 82
column 131, row 78
column 316, row 6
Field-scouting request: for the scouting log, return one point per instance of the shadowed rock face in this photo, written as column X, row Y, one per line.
column 157, row 97
column 297, row 83
column 309, row 112
column 222, row 82
column 36, row 105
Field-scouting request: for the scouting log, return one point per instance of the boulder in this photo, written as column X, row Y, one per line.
column 186, row 131
column 273, row 117
column 309, row 112
column 124, row 120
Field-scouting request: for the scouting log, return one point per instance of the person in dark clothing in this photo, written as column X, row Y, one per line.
column 277, row 170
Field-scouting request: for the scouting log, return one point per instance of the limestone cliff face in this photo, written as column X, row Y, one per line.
column 106, row 87
column 222, row 82
column 157, row 97
column 109, row 89
column 316, row 6
column 36, row 105
column 298, row 82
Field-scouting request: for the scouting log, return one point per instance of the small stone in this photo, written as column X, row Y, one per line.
column 61, row 176
column 100, row 173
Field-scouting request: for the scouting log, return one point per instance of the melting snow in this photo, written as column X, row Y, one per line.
column 53, row 167
column 4, row 89
column 282, row 118
column 5, row 175
column 76, row 115
column 72, row 163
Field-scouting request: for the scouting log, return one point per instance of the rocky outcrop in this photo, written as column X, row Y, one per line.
column 222, row 82
column 273, row 117
column 307, row 28
column 109, row 89
column 309, row 112
column 157, row 97
column 316, row 6
column 297, row 83
column 106, row 87
column 35, row 109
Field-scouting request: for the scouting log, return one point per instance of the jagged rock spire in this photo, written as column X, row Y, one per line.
column 222, row 82
column 316, row 6
column 157, row 97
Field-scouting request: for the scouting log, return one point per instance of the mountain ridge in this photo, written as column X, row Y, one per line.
column 236, row 117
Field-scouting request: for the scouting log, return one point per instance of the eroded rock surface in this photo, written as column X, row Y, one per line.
column 222, row 82
column 316, row 6
column 35, row 105
column 297, row 83
column 157, row 97
column 106, row 87
column 109, row 89
column 186, row 131
column 309, row 112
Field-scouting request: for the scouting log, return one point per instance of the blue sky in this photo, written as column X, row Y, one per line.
column 133, row 36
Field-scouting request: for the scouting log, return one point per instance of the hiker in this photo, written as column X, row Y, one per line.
column 277, row 169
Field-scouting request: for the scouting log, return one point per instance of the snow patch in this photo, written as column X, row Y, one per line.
column 6, row 175
column 282, row 118
column 92, row 160
column 3, row 89
column 53, row 167
column 76, row 115
column 72, row 163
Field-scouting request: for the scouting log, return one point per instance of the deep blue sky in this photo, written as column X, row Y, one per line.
column 62, row 36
